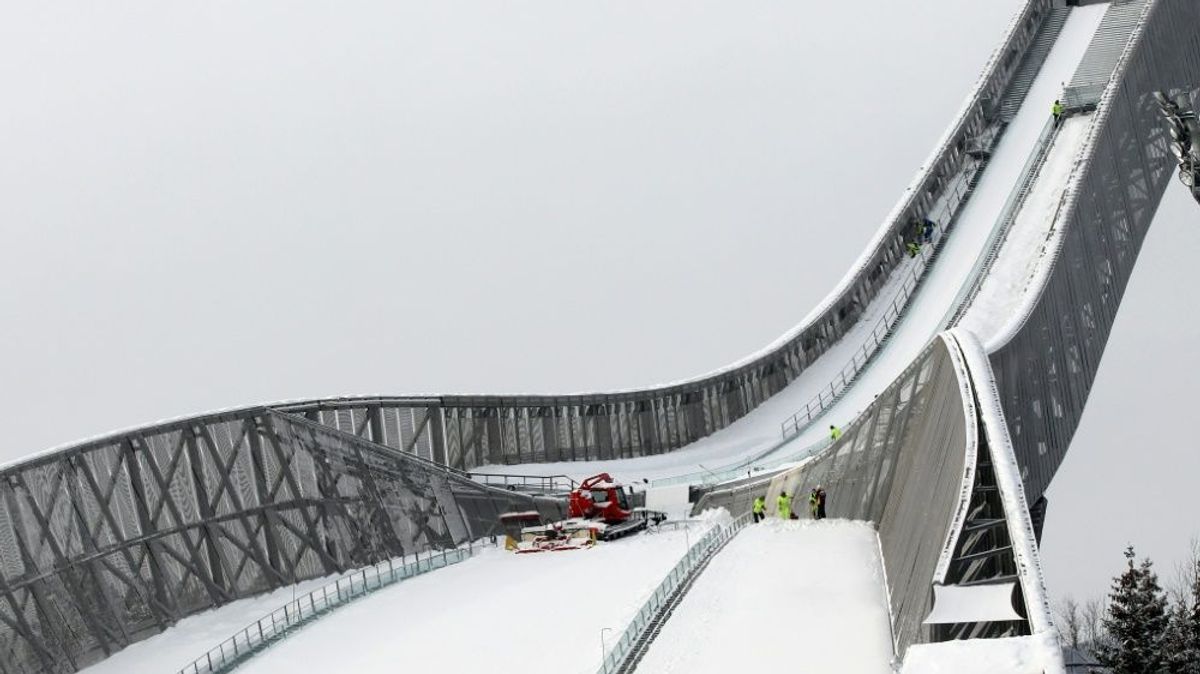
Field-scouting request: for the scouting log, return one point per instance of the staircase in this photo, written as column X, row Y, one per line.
column 1035, row 56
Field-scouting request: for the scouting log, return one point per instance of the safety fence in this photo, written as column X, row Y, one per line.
column 615, row 657
column 541, row 484
column 279, row 623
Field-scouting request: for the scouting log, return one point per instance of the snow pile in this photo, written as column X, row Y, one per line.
column 717, row 517
column 1034, row 654
column 783, row 596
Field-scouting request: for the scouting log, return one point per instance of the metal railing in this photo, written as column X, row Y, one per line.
column 615, row 656
column 1008, row 216
column 278, row 623
column 944, row 214
column 543, row 484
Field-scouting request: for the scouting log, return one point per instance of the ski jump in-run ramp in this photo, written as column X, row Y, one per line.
column 957, row 368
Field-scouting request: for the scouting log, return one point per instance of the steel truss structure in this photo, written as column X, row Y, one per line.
column 120, row 538
column 1045, row 367
column 112, row 540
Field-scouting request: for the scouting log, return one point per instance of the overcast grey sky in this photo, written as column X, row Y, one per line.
column 212, row 204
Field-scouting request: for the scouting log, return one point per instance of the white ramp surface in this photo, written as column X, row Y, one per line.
column 497, row 612
column 797, row 596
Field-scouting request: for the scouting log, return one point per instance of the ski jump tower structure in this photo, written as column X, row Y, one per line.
column 108, row 541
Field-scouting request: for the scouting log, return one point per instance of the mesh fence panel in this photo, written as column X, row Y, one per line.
column 900, row 465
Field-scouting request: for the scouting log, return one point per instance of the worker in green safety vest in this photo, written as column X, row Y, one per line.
column 1057, row 110
column 760, row 509
column 834, row 432
column 784, row 506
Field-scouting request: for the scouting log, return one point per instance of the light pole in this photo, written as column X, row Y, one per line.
column 603, row 646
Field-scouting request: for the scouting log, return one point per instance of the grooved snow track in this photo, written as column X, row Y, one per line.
column 630, row 663
column 1008, row 218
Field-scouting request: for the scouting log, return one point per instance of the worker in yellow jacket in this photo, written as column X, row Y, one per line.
column 760, row 508
column 784, row 506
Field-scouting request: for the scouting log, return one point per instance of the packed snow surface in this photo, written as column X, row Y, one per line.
column 496, row 612
column 190, row 638
column 783, row 596
column 1026, row 248
column 758, row 433
column 1034, row 654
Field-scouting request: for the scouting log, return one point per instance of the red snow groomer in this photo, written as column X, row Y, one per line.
column 598, row 509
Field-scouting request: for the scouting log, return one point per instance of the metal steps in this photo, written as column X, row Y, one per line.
column 1100, row 60
column 1035, row 56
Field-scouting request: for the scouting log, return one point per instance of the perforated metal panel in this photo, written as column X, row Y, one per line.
column 899, row 465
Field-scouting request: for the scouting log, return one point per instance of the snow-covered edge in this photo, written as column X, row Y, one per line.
column 152, row 426
column 959, row 517
column 1040, row 280
column 1012, row 489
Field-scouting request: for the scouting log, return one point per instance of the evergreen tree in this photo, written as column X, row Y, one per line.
column 1136, row 621
column 1181, row 649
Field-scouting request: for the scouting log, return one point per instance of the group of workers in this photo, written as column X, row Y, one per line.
column 923, row 228
column 922, row 232
column 783, row 506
